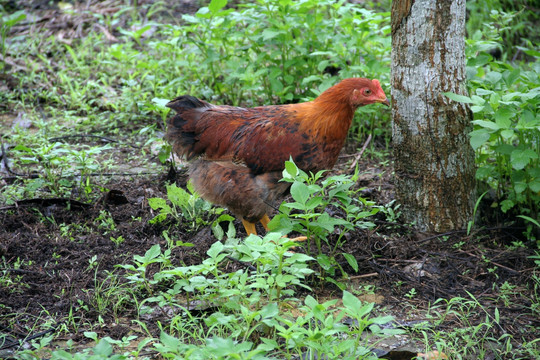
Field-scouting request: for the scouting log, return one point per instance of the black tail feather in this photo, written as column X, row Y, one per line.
column 186, row 102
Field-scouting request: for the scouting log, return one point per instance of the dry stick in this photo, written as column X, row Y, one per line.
column 353, row 165
column 7, row 346
column 104, row 138
column 361, row 276
column 493, row 262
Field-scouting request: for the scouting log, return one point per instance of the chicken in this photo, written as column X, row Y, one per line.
column 238, row 154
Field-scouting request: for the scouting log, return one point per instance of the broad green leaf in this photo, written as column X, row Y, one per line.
column 520, row 187
column 505, row 149
column 510, row 96
column 351, row 302
column 300, row 192
column 270, row 34
column 477, row 108
column 493, row 77
column 153, row 252
column 507, row 134
column 276, row 85
column 487, row 124
column 521, row 158
column 157, row 203
column 503, row 116
column 215, row 249
column 12, row 19
column 511, row 76
column 458, row 98
column 507, row 205
column 291, row 169
column 216, row 5
column 324, row 261
column 477, row 100
column 160, row 102
column 481, row 91
column 535, row 185
column 479, row 138
column 494, row 100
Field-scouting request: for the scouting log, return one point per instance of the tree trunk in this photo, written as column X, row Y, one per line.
column 434, row 162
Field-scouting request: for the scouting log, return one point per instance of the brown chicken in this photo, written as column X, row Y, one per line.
column 239, row 153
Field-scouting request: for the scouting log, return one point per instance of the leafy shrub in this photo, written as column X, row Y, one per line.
column 311, row 218
column 184, row 207
column 505, row 100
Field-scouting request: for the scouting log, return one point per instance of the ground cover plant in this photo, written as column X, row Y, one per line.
column 107, row 252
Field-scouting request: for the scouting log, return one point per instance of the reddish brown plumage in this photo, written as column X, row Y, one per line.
column 242, row 151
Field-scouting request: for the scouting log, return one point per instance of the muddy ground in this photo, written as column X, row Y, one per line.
column 48, row 278
column 56, row 252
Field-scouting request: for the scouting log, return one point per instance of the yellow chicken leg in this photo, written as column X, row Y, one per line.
column 250, row 227
column 265, row 220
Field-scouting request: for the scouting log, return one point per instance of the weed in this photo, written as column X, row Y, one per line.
column 186, row 207
column 312, row 219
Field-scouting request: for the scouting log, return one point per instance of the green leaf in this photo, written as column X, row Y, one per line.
column 215, row 249
column 529, row 219
column 10, row 20
column 535, row 185
column 506, row 205
column 351, row 302
column 481, row 91
column 158, row 203
column 160, row 102
column 458, row 98
column 300, row 192
column 521, row 158
column 487, row 124
column 268, row 34
column 324, row 261
column 152, row 253
column 276, row 85
column 476, row 108
column 291, row 168
column 507, row 134
column 493, row 77
column 351, row 260
column 216, row 5
column 510, row 77
column 479, row 138
column 520, row 187
column 503, row 116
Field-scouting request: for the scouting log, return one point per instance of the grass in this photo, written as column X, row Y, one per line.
column 89, row 107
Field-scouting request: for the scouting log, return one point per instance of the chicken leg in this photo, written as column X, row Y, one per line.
column 250, row 228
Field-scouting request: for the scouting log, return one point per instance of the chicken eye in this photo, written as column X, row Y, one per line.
column 367, row 92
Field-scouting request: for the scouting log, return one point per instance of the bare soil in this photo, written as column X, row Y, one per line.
column 51, row 280
column 57, row 253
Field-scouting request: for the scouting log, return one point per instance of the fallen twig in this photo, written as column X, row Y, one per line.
column 357, row 158
column 104, row 138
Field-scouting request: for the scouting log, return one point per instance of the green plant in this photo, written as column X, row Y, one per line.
column 7, row 21
column 505, row 100
column 137, row 272
column 312, row 220
column 186, row 207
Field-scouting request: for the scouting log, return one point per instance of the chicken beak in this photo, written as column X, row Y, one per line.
column 385, row 101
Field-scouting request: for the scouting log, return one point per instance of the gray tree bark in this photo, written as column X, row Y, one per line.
column 434, row 162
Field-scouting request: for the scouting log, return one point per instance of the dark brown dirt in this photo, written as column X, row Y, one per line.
column 57, row 254
column 47, row 277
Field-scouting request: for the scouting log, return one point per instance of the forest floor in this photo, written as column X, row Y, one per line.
column 57, row 253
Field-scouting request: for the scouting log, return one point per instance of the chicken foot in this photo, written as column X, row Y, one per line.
column 250, row 228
